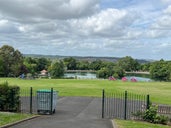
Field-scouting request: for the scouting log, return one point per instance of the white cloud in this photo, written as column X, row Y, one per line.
column 38, row 10
column 140, row 29
column 8, row 27
column 109, row 22
column 167, row 10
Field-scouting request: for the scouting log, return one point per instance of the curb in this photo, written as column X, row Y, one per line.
column 113, row 124
column 17, row 122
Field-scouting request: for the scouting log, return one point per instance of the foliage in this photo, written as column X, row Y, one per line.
column 35, row 65
column 9, row 97
column 70, row 63
column 145, row 67
column 83, row 65
column 96, row 65
column 11, row 61
column 115, row 71
column 161, row 70
column 129, row 64
column 150, row 115
column 57, row 69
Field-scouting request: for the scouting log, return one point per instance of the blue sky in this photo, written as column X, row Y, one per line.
column 116, row 28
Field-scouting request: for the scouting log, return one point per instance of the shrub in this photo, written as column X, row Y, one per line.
column 9, row 97
column 150, row 115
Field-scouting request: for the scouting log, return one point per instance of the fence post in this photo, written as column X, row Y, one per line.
column 148, row 102
column 125, row 105
column 31, row 99
column 51, row 103
column 103, row 98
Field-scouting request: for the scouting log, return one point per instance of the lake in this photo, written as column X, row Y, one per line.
column 80, row 75
column 92, row 75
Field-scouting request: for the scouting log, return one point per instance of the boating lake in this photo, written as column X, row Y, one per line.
column 92, row 75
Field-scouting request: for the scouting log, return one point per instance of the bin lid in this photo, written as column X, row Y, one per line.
column 45, row 90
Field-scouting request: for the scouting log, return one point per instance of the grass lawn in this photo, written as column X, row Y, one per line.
column 137, row 124
column 6, row 117
column 160, row 92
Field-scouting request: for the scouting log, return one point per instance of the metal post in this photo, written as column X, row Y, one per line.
column 125, row 105
column 51, row 101
column 103, row 99
column 148, row 102
column 31, row 99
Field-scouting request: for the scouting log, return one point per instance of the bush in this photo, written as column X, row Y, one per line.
column 150, row 115
column 161, row 119
column 9, row 97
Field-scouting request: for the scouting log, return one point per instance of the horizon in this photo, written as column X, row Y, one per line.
column 100, row 28
column 90, row 56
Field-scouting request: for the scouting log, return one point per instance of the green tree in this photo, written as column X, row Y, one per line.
column 43, row 63
column 160, row 70
column 70, row 63
column 96, row 65
column 57, row 70
column 145, row 67
column 1, row 67
column 83, row 65
column 129, row 64
column 118, row 72
column 31, row 65
column 12, row 60
column 104, row 73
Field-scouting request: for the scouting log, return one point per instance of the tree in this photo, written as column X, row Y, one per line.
column 160, row 70
column 1, row 67
column 43, row 63
column 145, row 67
column 31, row 65
column 96, row 65
column 104, row 73
column 12, row 60
column 83, row 65
column 70, row 63
column 128, row 64
column 57, row 70
column 118, row 72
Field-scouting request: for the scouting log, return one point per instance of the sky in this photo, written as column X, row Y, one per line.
column 112, row 28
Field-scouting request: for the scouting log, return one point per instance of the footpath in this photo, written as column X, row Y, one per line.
column 71, row 112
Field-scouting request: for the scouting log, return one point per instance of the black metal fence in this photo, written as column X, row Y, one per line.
column 34, row 101
column 123, row 105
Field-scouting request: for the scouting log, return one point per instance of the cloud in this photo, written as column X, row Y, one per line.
column 8, row 27
column 137, row 28
column 109, row 22
column 38, row 10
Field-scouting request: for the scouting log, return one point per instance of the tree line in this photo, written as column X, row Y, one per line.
column 13, row 64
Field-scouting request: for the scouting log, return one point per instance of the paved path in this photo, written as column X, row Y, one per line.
column 71, row 112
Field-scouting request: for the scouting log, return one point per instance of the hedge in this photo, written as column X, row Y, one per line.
column 9, row 97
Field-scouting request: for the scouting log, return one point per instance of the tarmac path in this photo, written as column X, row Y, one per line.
column 71, row 112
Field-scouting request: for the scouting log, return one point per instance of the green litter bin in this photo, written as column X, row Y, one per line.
column 46, row 101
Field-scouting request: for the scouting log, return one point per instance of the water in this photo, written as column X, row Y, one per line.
column 138, row 78
column 91, row 75
column 80, row 75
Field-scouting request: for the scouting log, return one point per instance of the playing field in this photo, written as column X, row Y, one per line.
column 160, row 92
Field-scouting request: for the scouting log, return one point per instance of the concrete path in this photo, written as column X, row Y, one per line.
column 71, row 112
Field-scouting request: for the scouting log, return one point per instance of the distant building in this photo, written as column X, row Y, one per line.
column 43, row 73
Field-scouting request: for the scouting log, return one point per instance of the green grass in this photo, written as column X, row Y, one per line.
column 6, row 117
column 137, row 124
column 159, row 91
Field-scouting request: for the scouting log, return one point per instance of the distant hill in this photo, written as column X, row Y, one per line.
column 88, row 58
